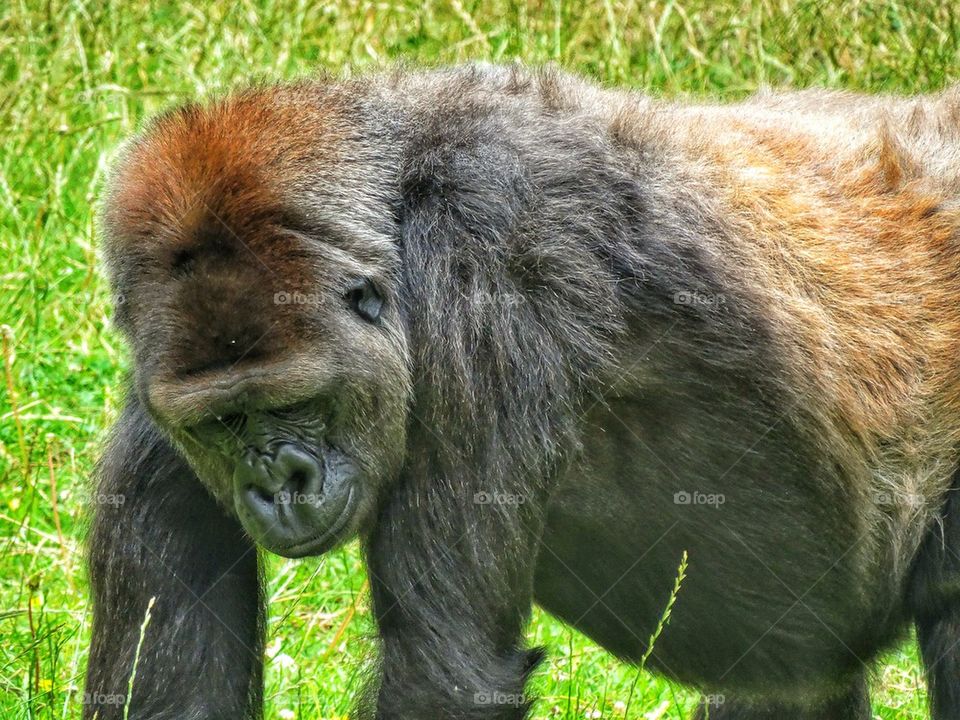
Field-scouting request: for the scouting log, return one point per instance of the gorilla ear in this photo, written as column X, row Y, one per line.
column 365, row 300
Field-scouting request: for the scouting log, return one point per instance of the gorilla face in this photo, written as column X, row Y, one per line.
column 267, row 337
column 298, row 433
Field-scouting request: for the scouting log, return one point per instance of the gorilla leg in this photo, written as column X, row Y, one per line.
column 852, row 705
column 935, row 602
column 157, row 533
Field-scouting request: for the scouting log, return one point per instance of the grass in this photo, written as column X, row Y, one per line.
column 77, row 77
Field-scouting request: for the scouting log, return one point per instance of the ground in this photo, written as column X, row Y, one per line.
column 78, row 76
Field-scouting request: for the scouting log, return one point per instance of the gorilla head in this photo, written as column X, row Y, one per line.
column 264, row 316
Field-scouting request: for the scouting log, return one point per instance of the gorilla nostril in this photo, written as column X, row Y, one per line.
column 297, row 470
column 297, row 480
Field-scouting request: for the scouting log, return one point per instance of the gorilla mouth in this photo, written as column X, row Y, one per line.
column 324, row 541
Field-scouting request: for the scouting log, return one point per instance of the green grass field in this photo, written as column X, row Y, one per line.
column 78, row 76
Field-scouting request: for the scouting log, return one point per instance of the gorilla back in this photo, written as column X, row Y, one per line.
column 532, row 340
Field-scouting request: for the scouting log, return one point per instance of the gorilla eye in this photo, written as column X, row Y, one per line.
column 365, row 300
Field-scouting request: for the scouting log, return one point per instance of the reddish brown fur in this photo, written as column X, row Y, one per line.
column 211, row 186
column 842, row 213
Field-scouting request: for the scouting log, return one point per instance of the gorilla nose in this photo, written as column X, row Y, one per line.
column 292, row 502
column 290, row 476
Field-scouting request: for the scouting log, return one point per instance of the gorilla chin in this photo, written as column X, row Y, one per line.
column 293, row 500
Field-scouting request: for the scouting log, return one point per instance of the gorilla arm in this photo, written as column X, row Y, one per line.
column 452, row 587
column 162, row 536
column 493, row 420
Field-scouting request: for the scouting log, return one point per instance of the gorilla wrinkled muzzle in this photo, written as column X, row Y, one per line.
column 292, row 500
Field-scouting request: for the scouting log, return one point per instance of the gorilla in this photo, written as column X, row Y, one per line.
column 531, row 340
